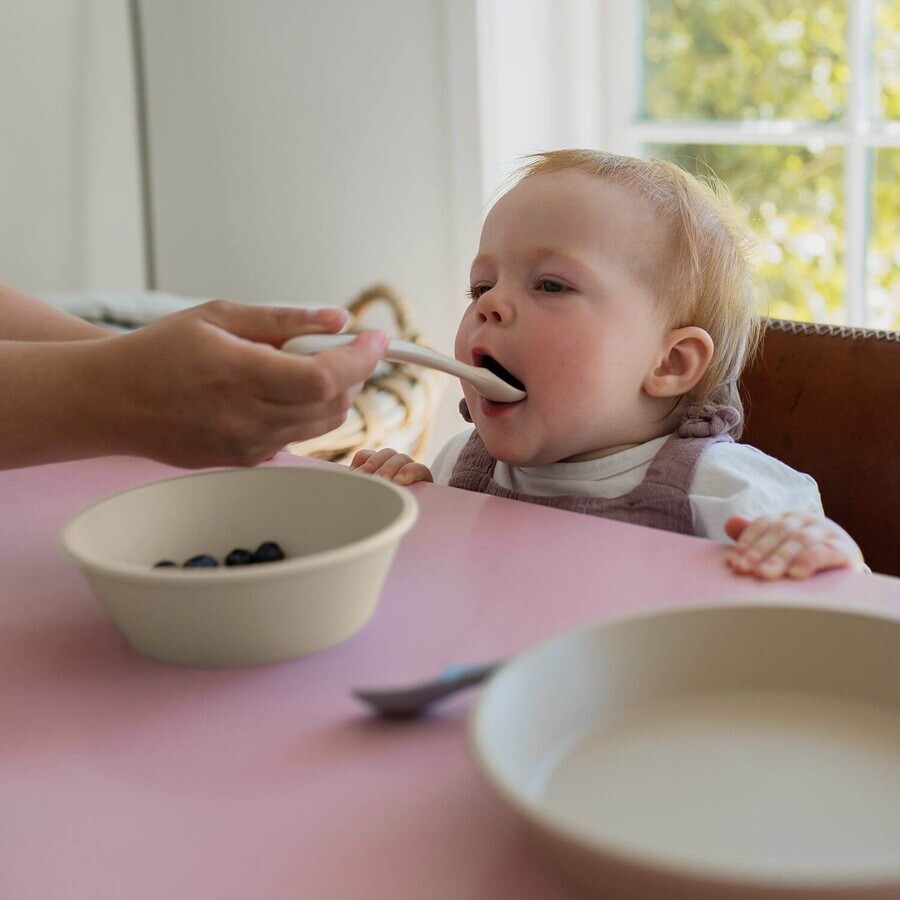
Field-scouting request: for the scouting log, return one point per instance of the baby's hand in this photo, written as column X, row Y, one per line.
column 794, row 544
column 390, row 464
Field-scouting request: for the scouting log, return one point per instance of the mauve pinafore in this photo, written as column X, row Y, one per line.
column 661, row 500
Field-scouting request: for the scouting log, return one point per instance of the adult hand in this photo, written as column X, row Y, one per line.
column 209, row 386
column 204, row 387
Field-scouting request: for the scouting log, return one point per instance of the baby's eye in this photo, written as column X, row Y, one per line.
column 477, row 290
column 549, row 286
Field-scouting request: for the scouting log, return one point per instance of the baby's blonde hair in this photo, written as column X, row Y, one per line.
column 704, row 277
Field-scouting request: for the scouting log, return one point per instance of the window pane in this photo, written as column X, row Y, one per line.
column 745, row 59
column 793, row 199
column 887, row 58
column 883, row 260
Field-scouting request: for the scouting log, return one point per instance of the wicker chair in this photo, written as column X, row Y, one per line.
column 826, row 401
column 396, row 406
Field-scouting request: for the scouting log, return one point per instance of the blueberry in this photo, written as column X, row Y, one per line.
column 268, row 551
column 164, row 564
column 239, row 557
column 204, row 561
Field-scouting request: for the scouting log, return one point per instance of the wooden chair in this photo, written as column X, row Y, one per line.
column 826, row 401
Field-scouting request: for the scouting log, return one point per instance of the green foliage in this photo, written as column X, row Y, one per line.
column 783, row 59
column 745, row 59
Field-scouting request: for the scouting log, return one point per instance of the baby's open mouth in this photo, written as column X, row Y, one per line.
column 492, row 365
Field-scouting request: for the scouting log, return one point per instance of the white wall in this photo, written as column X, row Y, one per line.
column 69, row 214
column 540, row 70
column 298, row 149
column 41, row 145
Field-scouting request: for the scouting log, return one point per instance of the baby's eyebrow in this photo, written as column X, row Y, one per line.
column 534, row 253
column 579, row 265
column 483, row 259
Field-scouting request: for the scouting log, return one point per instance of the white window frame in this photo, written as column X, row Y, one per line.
column 595, row 101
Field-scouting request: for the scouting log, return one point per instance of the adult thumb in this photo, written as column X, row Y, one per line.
column 272, row 324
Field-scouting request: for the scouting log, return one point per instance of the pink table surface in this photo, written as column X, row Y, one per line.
column 125, row 778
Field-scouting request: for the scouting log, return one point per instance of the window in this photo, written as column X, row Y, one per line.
column 795, row 105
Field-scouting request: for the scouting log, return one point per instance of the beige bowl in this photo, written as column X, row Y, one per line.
column 339, row 531
column 707, row 754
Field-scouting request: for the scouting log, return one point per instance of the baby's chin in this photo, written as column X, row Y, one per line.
column 513, row 457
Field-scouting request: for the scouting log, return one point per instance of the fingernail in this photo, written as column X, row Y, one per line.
column 327, row 315
column 797, row 572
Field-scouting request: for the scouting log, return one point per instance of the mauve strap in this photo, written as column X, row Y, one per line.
column 474, row 467
column 675, row 463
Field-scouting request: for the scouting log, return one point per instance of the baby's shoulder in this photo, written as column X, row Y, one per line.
column 739, row 480
column 732, row 455
column 729, row 466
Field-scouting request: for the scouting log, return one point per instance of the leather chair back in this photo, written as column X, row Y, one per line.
column 826, row 401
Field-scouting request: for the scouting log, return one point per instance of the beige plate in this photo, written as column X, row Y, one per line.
column 714, row 752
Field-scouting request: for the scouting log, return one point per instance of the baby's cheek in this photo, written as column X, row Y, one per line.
column 461, row 344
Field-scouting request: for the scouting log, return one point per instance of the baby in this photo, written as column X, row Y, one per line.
column 617, row 292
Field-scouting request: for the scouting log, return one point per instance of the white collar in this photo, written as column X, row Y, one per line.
column 596, row 469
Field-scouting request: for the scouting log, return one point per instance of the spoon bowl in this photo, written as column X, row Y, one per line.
column 415, row 700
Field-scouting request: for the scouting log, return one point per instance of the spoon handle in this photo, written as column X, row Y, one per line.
column 397, row 351
column 465, row 675
column 489, row 384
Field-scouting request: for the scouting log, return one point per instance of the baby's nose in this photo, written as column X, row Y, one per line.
column 495, row 306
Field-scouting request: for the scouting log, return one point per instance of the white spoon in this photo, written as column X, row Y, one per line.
column 483, row 380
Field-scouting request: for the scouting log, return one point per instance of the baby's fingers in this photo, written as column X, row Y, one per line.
column 736, row 526
column 361, row 458
column 385, row 463
column 413, row 472
column 371, row 461
column 768, row 546
column 820, row 557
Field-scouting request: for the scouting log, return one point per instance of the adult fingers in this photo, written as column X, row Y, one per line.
column 311, row 428
column 320, row 379
column 270, row 324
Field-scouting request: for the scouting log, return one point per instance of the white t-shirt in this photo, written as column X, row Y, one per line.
column 730, row 480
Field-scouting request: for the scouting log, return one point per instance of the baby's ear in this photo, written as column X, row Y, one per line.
column 686, row 354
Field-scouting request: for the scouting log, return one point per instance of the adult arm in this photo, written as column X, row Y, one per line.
column 202, row 387
column 25, row 318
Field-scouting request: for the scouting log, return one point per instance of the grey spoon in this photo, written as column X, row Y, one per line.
column 412, row 701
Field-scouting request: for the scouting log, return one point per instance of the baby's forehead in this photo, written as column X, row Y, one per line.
column 580, row 205
column 571, row 189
